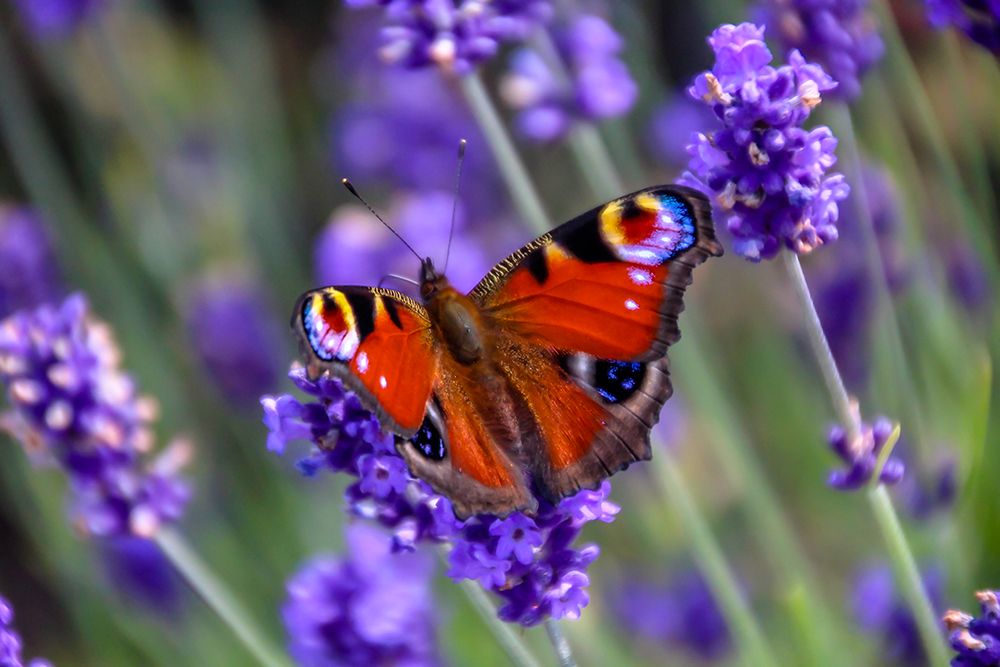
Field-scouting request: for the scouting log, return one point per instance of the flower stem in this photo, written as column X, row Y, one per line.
column 821, row 349
column 558, row 639
column 904, row 565
column 908, row 575
column 512, row 644
column 216, row 596
column 519, row 183
column 712, row 563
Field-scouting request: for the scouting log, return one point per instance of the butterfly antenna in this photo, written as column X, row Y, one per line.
column 454, row 206
column 350, row 188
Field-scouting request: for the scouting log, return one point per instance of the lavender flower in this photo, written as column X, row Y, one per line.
column 54, row 19
column 10, row 640
column 681, row 613
column 529, row 561
column 234, row 336
column 976, row 638
column 140, row 572
column 861, row 456
column 369, row 607
column 979, row 19
column 453, row 35
column 767, row 174
column 879, row 609
column 599, row 84
column 30, row 274
column 71, row 405
column 838, row 34
column 967, row 277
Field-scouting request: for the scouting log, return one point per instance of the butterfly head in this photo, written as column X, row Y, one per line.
column 431, row 282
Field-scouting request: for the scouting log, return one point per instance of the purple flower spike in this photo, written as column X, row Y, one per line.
column 599, row 84
column 768, row 175
column 880, row 609
column 72, row 406
column 453, row 35
column 529, row 561
column 10, row 640
column 838, row 34
column 979, row 19
column 861, row 456
column 976, row 639
column 55, row 19
column 368, row 607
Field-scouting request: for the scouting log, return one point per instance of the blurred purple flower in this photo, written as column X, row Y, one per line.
column 234, row 336
column 529, row 561
column 455, row 35
column 767, row 175
column 141, row 572
column 879, row 609
column 861, row 456
column 681, row 613
column 55, row 19
column 967, row 277
column 599, row 84
column 979, row 19
column 368, row 607
column 355, row 249
column 931, row 491
column 73, row 406
column 840, row 35
column 976, row 638
column 30, row 274
column 672, row 125
column 10, row 640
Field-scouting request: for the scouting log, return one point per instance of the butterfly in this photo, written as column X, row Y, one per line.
column 543, row 380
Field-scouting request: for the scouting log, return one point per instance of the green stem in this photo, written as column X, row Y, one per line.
column 521, row 188
column 512, row 644
column 901, row 555
column 910, row 88
column 908, row 575
column 558, row 639
column 710, row 560
column 214, row 593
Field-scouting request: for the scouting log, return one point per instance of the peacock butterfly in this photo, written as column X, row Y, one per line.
column 548, row 375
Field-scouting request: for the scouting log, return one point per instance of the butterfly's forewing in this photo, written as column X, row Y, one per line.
column 584, row 316
column 381, row 344
column 378, row 342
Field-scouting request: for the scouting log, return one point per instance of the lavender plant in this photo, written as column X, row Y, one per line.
column 10, row 641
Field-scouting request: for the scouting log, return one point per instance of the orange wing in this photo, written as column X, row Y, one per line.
column 584, row 316
column 378, row 342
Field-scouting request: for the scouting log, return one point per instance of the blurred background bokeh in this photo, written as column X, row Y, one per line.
column 179, row 163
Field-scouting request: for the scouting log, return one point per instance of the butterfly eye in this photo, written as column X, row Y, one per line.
column 429, row 442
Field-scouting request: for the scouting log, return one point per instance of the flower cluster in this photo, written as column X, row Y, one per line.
column 10, row 640
column 454, row 35
column 768, row 175
column 861, row 456
column 680, row 613
column 976, row 638
column 30, row 275
column 369, row 607
column 72, row 405
column 234, row 336
column 840, row 35
column 529, row 561
column 880, row 609
column 598, row 86
column 978, row 19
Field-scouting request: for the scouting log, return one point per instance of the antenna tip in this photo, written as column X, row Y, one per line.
column 345, row 181
column 461, row 148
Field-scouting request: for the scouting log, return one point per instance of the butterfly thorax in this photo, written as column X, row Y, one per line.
column 455, row 316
